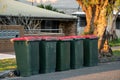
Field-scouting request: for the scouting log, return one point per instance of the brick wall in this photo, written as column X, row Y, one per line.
column 5, row 44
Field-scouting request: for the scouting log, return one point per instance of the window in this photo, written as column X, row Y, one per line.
column 118, row 24
column 49, row 25
column 82, row 22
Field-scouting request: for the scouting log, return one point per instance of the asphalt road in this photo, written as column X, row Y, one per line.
column 104, row 71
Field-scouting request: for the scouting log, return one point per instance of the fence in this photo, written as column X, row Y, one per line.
column 6, row 33
column 43, row 32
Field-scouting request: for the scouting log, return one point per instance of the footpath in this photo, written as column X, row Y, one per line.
column 116, row 48
column 7, row 55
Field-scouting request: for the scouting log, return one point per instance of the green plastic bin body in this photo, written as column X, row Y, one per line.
column 47, row 56
column 27, row 57
column 76, row 54
column 90, row 52
column 63, row 56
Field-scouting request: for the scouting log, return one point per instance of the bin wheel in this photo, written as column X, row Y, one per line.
column 17, row 72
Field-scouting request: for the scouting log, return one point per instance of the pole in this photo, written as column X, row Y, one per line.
column 32, row 2
column 78, row 24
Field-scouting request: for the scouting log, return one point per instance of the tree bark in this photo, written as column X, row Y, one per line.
column 112, row 25
column 97, row 23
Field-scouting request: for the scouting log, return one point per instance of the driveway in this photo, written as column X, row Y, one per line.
column 7, row 55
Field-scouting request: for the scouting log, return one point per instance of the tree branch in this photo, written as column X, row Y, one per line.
column 82, row 5
column 105, row 3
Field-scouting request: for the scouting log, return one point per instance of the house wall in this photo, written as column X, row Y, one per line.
column 69, row 28
column 82, row 24
column 5, row 44
column 118, row 32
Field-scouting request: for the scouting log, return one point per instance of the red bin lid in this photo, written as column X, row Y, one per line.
column 27, row 38
column 65, row 38
column 77, row 37
column 90, row 36
column 48, row 38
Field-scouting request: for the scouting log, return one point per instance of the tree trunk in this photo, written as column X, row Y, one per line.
column 96, row 24
column 112, row 26
column 87, row 29
column 100, row 31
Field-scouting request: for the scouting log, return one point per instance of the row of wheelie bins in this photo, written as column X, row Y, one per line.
column 45, row 54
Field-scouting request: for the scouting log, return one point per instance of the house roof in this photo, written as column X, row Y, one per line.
column 80, row 13
column 15, row 8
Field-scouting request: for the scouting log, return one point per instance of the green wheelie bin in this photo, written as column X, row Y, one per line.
column 90, row 50
column 63, row 54
column 47, row 54
column 76, row 52
column 27, row 55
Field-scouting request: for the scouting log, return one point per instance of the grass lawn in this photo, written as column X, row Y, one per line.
column 7, row 64
column 115, row 43
column 116, row 52
column 10, row 64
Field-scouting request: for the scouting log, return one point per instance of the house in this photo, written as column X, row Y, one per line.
column 32, row 18
column 118, row 26
column 32, row 21
column 81, row 22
